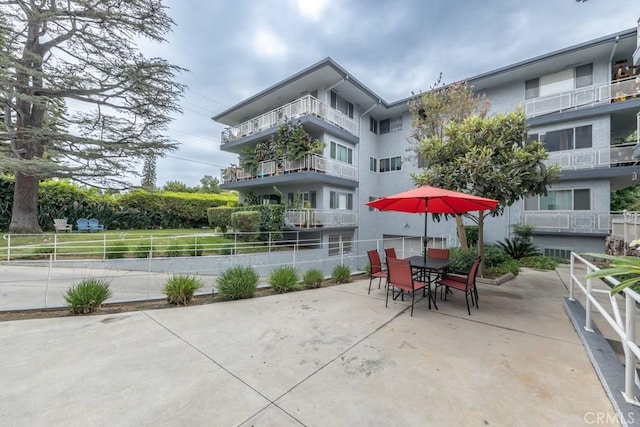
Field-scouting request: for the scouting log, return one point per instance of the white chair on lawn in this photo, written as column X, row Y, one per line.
column 60, row 224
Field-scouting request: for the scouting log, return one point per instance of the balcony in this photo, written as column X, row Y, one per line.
column 581, row 222
column 617, row 91
column 307, row 105
column 590, row 158
column 317, row 218
column 309, row 163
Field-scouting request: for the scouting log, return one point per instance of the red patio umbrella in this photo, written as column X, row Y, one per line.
column 427, row 199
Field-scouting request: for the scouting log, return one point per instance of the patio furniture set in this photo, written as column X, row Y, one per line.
column 82, row 224
column 416, row 273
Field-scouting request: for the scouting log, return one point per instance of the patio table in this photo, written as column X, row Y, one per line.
column 427, row 266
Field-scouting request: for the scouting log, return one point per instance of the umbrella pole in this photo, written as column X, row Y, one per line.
column 424, row 241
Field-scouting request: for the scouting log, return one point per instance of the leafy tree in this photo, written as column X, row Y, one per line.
column 487, row 156
column 177, row 187
column 432, row 111
column 149, row 175
column 627, row 198
column 209, row 184
column 84, row 51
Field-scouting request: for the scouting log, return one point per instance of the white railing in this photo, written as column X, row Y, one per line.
column 568, row 221
column 589, row 158
column 307, row 105
column 585, row 97
column 623, row 324
column 309, row 163
column 314, row 218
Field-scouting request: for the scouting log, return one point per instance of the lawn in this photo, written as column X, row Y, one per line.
column 120, row 244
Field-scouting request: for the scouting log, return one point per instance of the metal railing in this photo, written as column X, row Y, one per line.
column 314, row 218
column 584, row 97
column 309, row 163
column 569, row 221
column 307, row 105
column 589, row 158
column 623, row 324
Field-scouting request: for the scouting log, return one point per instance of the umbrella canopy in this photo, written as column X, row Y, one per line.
column 427, row 199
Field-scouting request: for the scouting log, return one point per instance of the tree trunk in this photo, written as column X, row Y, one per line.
column 462, row 235
column 481, row 243
column 24, row 217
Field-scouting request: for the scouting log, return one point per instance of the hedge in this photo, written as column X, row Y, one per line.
column 271, row 218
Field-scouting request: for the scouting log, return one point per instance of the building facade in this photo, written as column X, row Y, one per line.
column 582, row 102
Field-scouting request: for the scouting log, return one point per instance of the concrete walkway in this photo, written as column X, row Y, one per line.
column 326, row 357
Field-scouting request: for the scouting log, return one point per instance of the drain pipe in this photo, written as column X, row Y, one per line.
column 613, row 52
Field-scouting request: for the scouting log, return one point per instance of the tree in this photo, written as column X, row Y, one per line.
column 149, row 176
column 209, row 184
column 84, row 51
column 177, row 187
column 627, row 198
column 432, row 111
column 488, row 157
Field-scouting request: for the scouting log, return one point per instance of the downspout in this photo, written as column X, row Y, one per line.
column 613, row 52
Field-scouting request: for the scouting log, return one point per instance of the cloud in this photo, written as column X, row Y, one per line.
column 267, row 44
column 312, row 9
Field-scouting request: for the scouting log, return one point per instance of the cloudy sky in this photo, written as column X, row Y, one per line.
column 234, row 49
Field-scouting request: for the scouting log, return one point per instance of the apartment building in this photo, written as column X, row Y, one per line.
column 581, row 101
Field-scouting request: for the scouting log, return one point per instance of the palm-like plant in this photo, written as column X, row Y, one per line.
column 518, row 248
column 628, row 266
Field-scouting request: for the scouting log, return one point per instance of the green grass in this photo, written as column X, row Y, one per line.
column 83, row 245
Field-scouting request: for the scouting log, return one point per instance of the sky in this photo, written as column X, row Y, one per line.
column 234, row 49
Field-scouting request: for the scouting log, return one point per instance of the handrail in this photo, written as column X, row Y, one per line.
column 624, row 329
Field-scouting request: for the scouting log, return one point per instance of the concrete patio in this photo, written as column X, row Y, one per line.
column 326, row 357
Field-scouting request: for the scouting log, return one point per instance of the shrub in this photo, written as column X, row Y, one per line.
column 540, row 262
column 180, row 288
column 86, row 296
column 461, row 260
column 509, row 266
column 141, row 251
column 220, row 217
column 518, row 248
column 246, row 221
column 341, row 274
column 192, row 249
column 284, row 279
column 494, row 256
column 472, row 233
column 117, row 249
column 313, row 278
column 175, row 250
column 238, row 282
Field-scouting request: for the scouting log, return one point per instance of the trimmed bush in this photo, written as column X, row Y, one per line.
column 117, row 250
column 540, row 262
column 246, row 221
column 509, row 266
column 86, row 296
column 313, row 278
column 284, row 279
column 141, row 251
column 180, row 288
column 220, row 217
column 175, row 250
column 341, row 274
column 238, row 282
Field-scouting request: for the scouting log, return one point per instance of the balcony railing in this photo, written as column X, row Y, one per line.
column 309, row 163
column 585, row 97
column 307, row 105
column 589, row 158
column 569, row 221
column 317, row 218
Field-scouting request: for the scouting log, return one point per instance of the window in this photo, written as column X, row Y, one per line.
column 341, row 104
column 373, row 125
column 391, row 164
column 373, row 164
column 567, row 139
column 584, row 75
column 302, row 198
column 566, row 200
column 341, row 152
column 343, row 201
column 561, row 253
column 371, row 199
column 340, row 241
column 583, row 137
column 532, row 88
column 390, row 125
column 532, row 137
column 558, row 140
